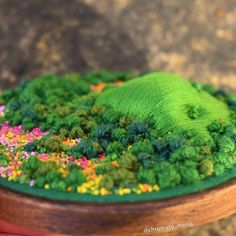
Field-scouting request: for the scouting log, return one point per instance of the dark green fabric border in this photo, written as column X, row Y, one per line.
column 211, row 182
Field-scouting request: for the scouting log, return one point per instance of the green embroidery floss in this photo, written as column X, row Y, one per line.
column 171, row 101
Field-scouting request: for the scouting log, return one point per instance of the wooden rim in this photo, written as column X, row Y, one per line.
column 127, row 218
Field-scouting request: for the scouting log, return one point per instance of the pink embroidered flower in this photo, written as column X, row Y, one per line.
column 2, row 108
column 71, row 158
column 4, row 128
column 9, row 172
column 30, row 137
column 37, row 132
column 44, row 156
column 2, row 169
column 17, row 130
column 83, row 162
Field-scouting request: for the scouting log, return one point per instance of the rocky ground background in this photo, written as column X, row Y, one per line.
column 196, row 39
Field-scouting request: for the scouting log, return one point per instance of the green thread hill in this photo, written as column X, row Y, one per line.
column 172, row 102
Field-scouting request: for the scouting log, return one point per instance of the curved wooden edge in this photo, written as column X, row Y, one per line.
column 10, row 229
column 118, row 218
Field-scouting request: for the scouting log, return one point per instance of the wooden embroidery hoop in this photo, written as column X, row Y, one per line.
column 117, row 218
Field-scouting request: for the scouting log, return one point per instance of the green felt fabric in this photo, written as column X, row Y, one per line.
column 211, row 182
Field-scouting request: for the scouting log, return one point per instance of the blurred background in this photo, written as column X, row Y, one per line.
column 196, row 39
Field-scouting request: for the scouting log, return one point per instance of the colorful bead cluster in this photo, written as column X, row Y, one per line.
column 13, row 139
